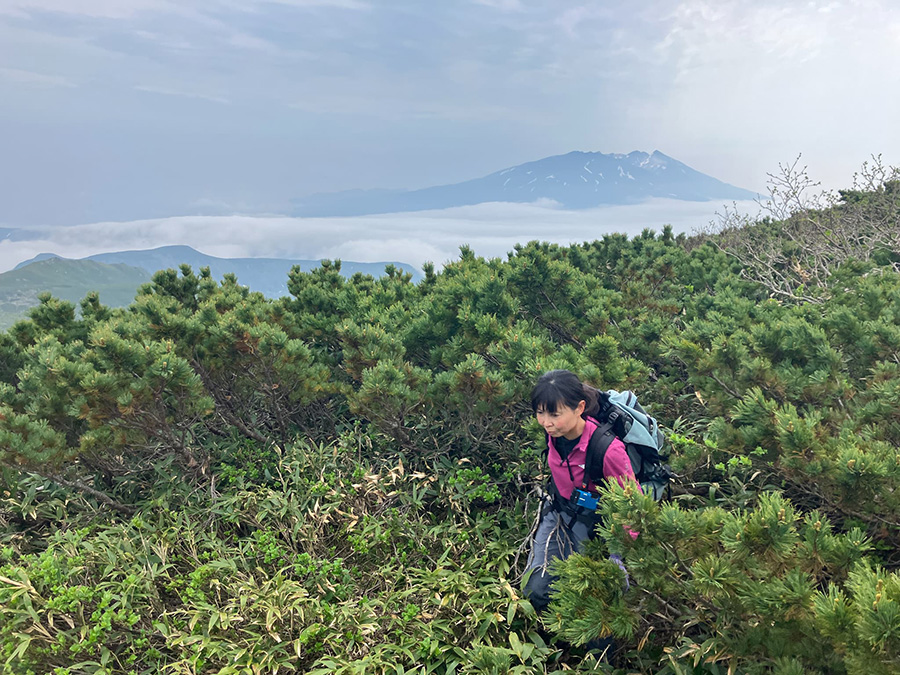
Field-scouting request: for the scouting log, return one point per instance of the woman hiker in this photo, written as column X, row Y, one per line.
column 565, row 408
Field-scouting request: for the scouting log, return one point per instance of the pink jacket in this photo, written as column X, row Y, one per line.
column 616, row 463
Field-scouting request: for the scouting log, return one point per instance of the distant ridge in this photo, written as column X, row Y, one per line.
column 268, row 276
column 67, row 280
column 577, row 180
column 117, row 276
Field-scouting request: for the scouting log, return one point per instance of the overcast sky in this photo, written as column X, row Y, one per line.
column 130, row 109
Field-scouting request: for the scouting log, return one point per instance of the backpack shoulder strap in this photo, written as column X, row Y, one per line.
column 596, row 452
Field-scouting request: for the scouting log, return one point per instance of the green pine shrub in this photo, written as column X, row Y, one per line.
column 209, row 481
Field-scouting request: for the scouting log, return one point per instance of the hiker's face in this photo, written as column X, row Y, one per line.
column 565, row 421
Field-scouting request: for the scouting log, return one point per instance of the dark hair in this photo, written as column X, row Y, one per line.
column 563, row 387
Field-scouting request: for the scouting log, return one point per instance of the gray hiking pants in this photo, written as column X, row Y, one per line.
column 554, row 540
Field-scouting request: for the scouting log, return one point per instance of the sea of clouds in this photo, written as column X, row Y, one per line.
column 491, row 229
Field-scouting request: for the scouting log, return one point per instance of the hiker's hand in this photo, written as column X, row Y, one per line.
column 618, row 560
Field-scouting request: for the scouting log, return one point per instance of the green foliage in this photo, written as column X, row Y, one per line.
column 207, row 481
column 334, row 567
column 751, row 588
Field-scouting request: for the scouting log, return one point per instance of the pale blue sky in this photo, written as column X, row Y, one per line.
column 127, row 109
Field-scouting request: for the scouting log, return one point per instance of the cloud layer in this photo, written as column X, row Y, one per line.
column 491, row 230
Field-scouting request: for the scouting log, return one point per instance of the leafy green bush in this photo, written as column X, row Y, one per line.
column 209, row 481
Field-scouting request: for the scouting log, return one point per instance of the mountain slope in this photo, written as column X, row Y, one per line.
column 117, row 275
column 268, row 276
column 577, row 180
column 68, row 280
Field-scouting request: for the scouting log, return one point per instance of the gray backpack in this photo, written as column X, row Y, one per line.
column 630, row 423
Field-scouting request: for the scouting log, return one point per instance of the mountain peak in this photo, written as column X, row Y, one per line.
column 39, row 257
column 575, row 180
